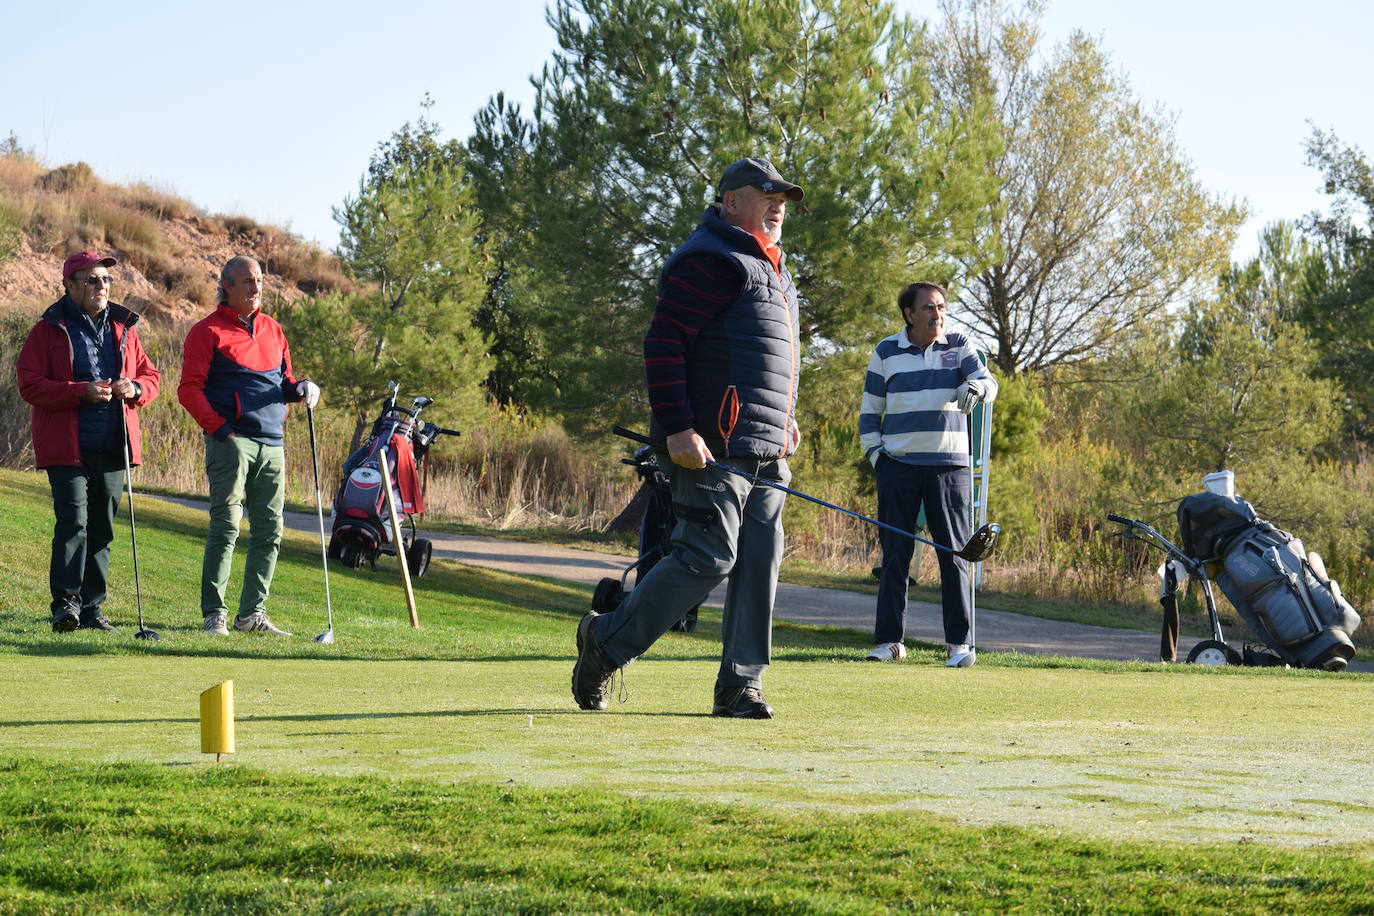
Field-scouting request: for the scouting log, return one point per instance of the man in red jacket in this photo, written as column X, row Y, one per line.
column 236, row 381
column 84, row 372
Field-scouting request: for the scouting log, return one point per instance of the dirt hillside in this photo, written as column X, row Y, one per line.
column 170, row 251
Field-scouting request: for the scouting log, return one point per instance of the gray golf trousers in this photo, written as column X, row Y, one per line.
column 744, row 543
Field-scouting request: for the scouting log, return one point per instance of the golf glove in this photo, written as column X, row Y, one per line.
column 968, row 394
column 309, row 392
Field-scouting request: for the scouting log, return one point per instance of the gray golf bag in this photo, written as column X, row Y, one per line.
column 1283, row 592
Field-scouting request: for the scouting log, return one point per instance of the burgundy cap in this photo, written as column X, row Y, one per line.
column 84, row 259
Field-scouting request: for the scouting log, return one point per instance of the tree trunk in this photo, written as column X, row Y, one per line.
column 359, row 425
column 633, row 513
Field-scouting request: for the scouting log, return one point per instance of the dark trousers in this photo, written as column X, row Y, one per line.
column 84, row 501
column 944, row 491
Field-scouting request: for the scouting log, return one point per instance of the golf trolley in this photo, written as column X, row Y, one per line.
column 1282, row 591
column 362, row 524
column 655, row 538
column 1212, row 651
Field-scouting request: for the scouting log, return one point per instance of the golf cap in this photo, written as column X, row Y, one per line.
column 83, row 260
column 758, row 173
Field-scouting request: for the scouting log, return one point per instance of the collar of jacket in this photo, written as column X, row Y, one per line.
column 745, row 241
column 117, row 313
column 229, row 313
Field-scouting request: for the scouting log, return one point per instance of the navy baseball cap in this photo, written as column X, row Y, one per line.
column 757, row 173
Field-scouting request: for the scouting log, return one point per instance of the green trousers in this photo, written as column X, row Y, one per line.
column 242, row 473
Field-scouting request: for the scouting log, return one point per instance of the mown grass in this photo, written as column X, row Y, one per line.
column 447, row 769
column 125, row 840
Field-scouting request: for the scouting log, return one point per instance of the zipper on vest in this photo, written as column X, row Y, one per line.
column 791, row 377
column 727, row 416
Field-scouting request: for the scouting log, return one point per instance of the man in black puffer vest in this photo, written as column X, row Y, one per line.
column 721, row 358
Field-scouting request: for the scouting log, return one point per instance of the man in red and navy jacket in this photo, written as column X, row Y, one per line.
column 84, row 372
column 236, row 381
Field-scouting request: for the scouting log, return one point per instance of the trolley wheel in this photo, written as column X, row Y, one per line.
column 352, row 557
column 607, row 596
column 689, row 621
column 1212, row 652
column 418, row 555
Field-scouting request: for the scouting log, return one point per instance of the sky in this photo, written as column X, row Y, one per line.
column 272, row 109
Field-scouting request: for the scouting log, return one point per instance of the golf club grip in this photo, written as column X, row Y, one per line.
column 1118, row 518
column 638, row 437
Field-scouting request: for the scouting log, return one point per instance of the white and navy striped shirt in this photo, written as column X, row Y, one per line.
column 908, row 410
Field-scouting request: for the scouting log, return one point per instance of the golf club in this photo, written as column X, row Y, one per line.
column 143, row 632
column 979, row 547
column 327, row 636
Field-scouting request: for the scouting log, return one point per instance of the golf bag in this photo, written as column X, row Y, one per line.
column 362, row 526
column 1281, row 591
column 655, row 538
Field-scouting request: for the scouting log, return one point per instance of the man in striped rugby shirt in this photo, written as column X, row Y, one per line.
column 922, row 384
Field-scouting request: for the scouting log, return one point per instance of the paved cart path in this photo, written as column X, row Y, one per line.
column 996, row 630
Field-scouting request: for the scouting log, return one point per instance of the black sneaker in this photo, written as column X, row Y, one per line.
column 96, row 621
column 591, row 677
column 66, row 616
column 741, row 703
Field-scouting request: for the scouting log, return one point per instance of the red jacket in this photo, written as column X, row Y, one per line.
column 45, row 382
column 235, row 379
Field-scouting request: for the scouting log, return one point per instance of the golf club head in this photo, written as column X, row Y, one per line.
column 981, row 545
column 327, row 637
column 150, row 635
column 963, row 659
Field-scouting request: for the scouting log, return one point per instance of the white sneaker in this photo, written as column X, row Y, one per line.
column 961, row 656
column 216, row 623
column 887, row 652
column 257, row 622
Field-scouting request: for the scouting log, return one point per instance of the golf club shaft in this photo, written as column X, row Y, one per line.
column 319, row 511
column 638, row 437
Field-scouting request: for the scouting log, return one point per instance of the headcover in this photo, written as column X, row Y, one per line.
column 1207, row 520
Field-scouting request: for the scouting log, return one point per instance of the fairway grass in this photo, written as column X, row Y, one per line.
column 447, row 767
column 1106, row 754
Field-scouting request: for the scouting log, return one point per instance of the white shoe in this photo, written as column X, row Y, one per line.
column 257, row 622
column 887, row 652
column 961, row 656
column 216, row 623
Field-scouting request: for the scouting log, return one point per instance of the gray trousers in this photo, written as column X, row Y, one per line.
column 744, row 543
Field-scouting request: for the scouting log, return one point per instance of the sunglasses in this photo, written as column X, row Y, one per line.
column 96, row 280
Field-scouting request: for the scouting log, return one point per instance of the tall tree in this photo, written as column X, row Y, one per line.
column 411, row 234
column 1235, row 389
column 1101, row 222
column 641, row 108
column 1338, row 307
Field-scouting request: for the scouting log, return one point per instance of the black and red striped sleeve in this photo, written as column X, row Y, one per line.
column 697, row 289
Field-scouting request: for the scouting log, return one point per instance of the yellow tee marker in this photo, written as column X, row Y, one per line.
column 217, row 720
